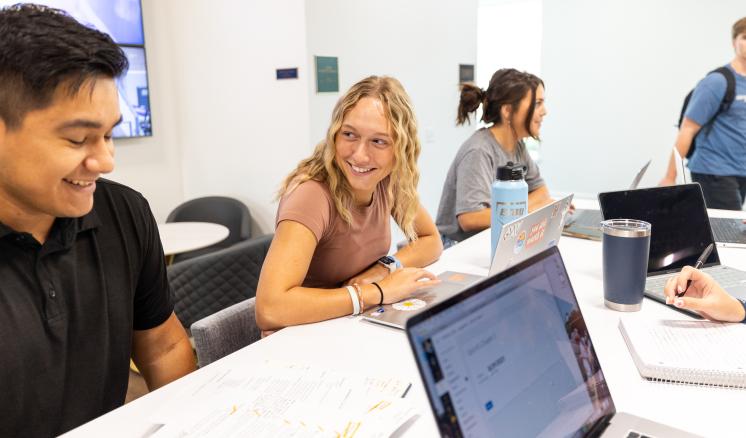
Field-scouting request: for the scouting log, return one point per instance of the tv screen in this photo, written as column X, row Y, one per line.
column 122, row 20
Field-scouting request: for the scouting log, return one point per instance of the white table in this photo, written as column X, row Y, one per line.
column 352, row 343
column 177, row 237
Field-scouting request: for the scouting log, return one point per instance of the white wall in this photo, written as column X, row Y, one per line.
column 616, row 73
column 421, row 43
column 503, row 39
column 224, row 125
column 153, row 165
column 234, row 129
column 241, row 126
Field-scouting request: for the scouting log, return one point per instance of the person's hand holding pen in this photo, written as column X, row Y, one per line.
column 703, row 295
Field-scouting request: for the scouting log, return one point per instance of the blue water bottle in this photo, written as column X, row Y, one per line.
column 509, row 198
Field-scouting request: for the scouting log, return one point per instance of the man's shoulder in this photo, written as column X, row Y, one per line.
column 113, row 200
column 715, row 80
column 106, row 188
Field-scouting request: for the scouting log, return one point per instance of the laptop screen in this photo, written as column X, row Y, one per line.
column 511, row 356
column 680, row 228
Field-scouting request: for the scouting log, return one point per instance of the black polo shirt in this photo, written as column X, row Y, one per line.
column 68, row 308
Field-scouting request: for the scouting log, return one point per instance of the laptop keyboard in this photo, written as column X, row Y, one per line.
column 586, row 219
column 728, row 230
column 633, row 434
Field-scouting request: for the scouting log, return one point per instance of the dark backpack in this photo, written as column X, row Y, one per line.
column 730, row 95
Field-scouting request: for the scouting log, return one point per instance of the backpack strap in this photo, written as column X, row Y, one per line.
column 730, row 89
column 725, row 103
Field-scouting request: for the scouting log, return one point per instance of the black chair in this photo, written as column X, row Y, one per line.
column 222, row 210
column 209, row 283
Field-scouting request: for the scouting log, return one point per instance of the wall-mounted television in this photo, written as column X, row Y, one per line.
column 122, row 20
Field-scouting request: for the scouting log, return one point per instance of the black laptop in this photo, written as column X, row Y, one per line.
column 511, row 357
column 680, row 232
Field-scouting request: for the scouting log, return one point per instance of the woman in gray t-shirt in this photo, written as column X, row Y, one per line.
column 514, row 105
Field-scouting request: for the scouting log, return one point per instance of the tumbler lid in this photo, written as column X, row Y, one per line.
column 626, row 228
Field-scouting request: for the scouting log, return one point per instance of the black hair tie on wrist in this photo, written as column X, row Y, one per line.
column 380, row 291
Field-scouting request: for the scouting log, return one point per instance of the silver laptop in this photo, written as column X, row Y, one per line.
column 730, row 233
column 519, row 240
column 585, row 224
column 680, row 232
column 511, row 356
column 530, row 235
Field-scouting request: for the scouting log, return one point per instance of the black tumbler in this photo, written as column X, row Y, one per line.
column 626, row 246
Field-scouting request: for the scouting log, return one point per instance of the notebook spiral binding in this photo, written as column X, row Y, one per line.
column 697, row 377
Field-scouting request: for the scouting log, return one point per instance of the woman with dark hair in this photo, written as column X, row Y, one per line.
column 514, row 106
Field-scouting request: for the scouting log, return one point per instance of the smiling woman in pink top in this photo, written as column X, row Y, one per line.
column 329, row 254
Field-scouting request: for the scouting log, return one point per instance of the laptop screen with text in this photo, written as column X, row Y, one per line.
column 512, row 356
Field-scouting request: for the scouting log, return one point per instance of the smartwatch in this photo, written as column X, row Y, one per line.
column 390, row 262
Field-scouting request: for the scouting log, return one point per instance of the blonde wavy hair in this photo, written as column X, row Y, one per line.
column 402, row 188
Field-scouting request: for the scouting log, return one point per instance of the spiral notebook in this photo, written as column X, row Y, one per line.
column 687, row 351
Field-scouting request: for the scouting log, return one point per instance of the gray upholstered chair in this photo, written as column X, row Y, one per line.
column 211, row 282
column 222, row 210
column 224, row 332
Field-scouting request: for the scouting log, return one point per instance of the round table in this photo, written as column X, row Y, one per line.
column 177, row 237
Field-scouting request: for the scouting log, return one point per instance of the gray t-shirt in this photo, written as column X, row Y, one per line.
column 469, row 180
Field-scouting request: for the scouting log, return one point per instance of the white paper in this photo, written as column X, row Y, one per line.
column 286, row 400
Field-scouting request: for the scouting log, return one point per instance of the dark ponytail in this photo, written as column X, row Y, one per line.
column 508, row 86
column 471, row 97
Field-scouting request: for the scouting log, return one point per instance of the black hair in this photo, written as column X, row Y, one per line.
column 42, row 48
column 508, row 86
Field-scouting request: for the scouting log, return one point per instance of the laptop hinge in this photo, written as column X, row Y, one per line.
column 599, row 426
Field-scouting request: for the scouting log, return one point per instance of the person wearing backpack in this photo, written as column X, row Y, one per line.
column 712, row 131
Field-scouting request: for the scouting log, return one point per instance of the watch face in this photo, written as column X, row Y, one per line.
column 386, row 260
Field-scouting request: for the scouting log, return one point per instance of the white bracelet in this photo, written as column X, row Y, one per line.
column 355, row 302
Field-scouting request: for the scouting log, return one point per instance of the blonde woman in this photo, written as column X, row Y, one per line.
column 328, row 256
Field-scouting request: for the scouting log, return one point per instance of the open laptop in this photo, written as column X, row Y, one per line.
column 519, row 240
column 511, row 356
column 680, row 232
column 728, row 232
column 585, row 224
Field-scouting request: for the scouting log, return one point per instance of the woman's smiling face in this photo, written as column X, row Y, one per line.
column 365, row 148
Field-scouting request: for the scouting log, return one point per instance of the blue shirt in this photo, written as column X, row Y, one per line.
column 721, row 148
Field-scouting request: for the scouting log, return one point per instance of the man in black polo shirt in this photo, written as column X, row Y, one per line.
column 82, row 277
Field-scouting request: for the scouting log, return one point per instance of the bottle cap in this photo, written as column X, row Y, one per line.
column 510, row 172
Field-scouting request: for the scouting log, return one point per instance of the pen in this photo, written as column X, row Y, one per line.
column 700, row 261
